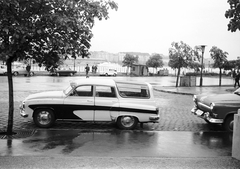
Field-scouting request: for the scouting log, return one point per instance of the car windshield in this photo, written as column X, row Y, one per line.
column 67, row 90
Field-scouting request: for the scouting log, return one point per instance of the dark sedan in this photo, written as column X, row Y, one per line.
column 64, row 72
column 217, row 108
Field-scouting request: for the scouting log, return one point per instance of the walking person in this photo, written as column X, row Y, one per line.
column 87, row 70
column 28, row 68
column 237, row 79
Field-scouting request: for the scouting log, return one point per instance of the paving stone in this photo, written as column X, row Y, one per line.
column 175, row 116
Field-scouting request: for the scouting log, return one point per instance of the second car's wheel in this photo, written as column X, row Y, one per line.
column 127, row 122
column 15, row 73
column 71, row 74
column 228, row 124
column 58, row 74
column 106, row 74
column 44, row 118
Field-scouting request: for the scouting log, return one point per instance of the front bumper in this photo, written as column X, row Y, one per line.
column 206, row 116
column 22, row 111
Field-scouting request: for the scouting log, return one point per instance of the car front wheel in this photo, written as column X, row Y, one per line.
column 228, row 124
column 127, row 122
column 15, row 73
column 44, row 118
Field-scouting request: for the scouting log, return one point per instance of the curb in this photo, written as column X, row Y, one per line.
column 181, row 93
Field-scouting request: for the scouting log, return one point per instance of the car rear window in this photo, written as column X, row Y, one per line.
column 127, row 90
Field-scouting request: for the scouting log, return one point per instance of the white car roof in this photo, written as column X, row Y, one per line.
column 93, row 81
column 104, row 81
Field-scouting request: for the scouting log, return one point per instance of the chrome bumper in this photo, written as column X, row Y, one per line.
column 22, row 112
column 206, row 116
column 154, row 118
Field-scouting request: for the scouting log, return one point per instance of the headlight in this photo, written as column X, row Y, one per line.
column 212, row 106
column 22, row 106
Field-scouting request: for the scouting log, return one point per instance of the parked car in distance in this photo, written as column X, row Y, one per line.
column 108, row 72
column 217, row 108
column 21, row 70
column 3, row 70
column 125, row 103
column 63, row 72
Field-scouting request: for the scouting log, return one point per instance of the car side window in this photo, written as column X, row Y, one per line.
column 105, row 91
column 133, row 90
column 83, row 91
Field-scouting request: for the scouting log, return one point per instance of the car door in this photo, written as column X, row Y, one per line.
column 80, row 104
column 106, row 103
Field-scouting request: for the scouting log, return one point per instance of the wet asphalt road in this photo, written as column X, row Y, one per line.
column 175, row 108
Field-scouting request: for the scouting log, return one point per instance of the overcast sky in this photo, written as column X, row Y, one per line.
column 152, row 25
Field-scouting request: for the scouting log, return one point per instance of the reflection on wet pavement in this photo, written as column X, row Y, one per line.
column 117, row 143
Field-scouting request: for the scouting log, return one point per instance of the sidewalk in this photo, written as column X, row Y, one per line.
column 196, row 89
column 118, row 149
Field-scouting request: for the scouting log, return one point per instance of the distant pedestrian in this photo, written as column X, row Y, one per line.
column 87, row 71
column 237, row 79
column 28, row 68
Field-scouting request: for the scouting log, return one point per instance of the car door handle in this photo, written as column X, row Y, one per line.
column 89, row 101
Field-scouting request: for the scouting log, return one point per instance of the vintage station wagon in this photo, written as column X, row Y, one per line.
column 126, row 103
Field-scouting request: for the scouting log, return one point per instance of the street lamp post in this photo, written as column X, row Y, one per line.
column 203, row 48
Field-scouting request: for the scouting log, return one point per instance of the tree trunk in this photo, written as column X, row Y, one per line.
column 127, row 71
column 178, row 74
column 220, row 76
column 10, row 93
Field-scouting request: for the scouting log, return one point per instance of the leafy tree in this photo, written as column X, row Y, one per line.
column 234, row 15
column 46, row 29
column 220, row 58
column 179, row 56
column 195, row 65
column 129, row 60
column 155, row 61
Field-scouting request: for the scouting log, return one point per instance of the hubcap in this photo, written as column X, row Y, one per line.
column 127, row 121
column 44, row 117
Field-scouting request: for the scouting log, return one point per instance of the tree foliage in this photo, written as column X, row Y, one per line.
column 234, row 15
column 155, row 61
column 195, row 65
column 180, row 55
column 46, row 30
column 129, row 60
column 220, row 59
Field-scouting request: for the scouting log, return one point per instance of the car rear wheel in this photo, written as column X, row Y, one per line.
column 127, row 122
column 44, row 118
column 31, row 73
column 106, row 74
column 228, row 124
column 15, row 73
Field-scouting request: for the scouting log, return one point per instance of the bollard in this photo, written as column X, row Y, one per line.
column 236, row 136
